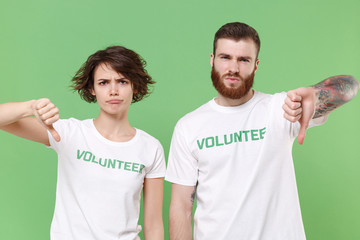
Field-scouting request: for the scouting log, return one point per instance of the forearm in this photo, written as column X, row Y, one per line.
column 154, row 232
column 14, row 111
column 180, row 224
column 153, row 203
column 334, row 92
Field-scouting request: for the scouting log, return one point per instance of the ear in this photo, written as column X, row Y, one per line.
column 212, row 59
column 135, row 91
column 92, row 91
column 257, row 64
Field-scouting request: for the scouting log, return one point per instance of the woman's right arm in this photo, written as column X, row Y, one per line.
column 15, row 118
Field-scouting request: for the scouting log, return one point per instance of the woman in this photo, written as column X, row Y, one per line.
column 103, row 163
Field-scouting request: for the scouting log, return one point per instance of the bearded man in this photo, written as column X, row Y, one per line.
column 235, row 152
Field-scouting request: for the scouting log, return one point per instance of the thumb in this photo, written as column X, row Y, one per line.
column 302, row 133
column 53, row 133
column 308, row 109
column 307, row 114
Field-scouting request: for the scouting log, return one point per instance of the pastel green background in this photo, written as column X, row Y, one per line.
column 43, row 43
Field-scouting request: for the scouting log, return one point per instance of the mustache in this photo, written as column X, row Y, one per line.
column 232, row 75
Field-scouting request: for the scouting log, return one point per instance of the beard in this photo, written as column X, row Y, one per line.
column 232, row 92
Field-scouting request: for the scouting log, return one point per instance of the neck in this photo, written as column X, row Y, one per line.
column 228, row 102
column 114, row 127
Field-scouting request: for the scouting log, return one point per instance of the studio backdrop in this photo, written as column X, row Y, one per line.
column 44, row 42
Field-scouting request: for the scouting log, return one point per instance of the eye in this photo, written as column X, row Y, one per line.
column 224, row 57
column 102, row 83
column 123, row 81
column 244, row 60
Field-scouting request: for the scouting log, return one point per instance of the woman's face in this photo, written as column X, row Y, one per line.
column 113, row 91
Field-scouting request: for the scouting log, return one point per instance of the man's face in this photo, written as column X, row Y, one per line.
column 233, row 67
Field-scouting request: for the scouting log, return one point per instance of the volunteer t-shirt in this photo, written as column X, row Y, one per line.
column 240, row 159
column 100, row 182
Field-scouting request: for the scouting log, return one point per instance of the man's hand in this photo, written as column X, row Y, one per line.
column 47, row 114
column 300, row 106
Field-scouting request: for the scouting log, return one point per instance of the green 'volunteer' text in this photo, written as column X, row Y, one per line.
column 226, row 139
column 110, row 163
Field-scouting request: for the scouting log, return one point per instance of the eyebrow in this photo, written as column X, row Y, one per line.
column 105, row 79
column 228, row 55
column 223, row 54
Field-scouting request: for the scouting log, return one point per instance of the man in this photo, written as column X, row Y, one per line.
column 234, row 152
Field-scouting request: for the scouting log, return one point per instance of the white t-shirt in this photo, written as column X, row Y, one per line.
column 240, row 158
column 100, row 182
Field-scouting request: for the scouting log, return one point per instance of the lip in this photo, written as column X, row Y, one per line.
column 114, row 101
column 232, row 79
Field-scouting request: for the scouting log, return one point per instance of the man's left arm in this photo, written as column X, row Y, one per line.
column 306, row 103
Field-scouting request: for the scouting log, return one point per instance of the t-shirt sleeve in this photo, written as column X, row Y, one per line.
column 158, row 168
column 61, row 127
column 294, row 128
column 182, row 165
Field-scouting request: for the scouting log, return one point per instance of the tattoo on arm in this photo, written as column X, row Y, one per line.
column 334, row 92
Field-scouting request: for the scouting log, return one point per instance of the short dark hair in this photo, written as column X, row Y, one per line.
column 122, row 60
column 237, row 31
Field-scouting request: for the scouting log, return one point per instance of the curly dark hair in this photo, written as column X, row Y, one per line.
column 124, row 61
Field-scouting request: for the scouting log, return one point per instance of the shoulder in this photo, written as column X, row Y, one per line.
column 277, row 101
column 197, row 115
column 72, row 124
column 69, row 130
column 197, row 112
column 280, row 95
column 71, row 121
column 260, row 96
column 147, row 139
column 271, row 100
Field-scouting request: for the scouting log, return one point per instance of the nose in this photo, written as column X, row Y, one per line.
column 114, row 91
column 234, row 67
